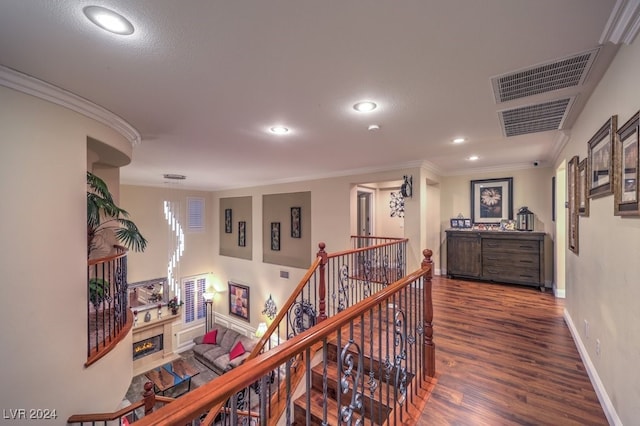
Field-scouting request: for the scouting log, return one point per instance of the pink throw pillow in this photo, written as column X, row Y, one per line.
column 211, row 337
column 237, row 350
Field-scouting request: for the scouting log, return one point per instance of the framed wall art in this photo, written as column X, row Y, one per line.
column 625, row 189
column 572, row 192
column 242, row 233
column 295, row 222
column 600, row 159
column 491, row 200
column 583, row 197
column 239, row 300
column 228, row 228
column 275, row 236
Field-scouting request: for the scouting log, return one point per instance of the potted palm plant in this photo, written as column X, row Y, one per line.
column 104, row 218
column 103, row 215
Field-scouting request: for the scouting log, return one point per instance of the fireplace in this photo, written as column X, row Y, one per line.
column 148, row 346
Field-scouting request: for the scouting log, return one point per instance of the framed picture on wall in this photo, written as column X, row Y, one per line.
column 491, row 200
column 600, row 159
column 227, row 221
column 242, row 233
column 625, row 191
column 572, row 192
column 239, row 300
column 583, row 197
column 275, row 236
column 296, row 231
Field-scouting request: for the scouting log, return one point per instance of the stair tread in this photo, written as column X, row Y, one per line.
column 317, row 402
column 381, row 391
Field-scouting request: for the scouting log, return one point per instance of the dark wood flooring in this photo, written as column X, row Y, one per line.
column 505, row 356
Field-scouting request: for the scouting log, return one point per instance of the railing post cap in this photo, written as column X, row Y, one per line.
column 321, row 245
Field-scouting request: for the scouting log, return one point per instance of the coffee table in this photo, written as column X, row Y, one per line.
column 171, row 375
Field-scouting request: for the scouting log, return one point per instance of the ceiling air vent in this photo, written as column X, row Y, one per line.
column 535, row 118
column 567, row 72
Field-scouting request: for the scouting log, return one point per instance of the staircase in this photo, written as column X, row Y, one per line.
column 377, row 400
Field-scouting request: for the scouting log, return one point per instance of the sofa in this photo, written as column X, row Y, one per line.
column 222, row 349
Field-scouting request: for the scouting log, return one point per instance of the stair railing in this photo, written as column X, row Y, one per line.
column 332, row 283
column 385, row 359
column 109, row 318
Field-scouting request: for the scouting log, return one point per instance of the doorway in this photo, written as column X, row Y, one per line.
column 365, row 212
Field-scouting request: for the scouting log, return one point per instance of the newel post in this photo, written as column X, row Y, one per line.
column 429, row 346
column 322, row 285
column 149, row 398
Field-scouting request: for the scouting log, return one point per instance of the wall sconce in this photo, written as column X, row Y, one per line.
column 270, row 308
column 261, row 330
column 407, row 186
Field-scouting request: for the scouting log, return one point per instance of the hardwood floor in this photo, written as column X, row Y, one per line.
column 504, row 356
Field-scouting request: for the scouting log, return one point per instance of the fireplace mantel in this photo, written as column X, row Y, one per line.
column 144, row 330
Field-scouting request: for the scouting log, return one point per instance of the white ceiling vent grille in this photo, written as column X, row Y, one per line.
column 535, row 118
column 567, row 72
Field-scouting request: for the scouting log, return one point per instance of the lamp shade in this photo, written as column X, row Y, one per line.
column 261, row 330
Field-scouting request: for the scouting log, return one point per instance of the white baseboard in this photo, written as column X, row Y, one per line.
column 603, row 397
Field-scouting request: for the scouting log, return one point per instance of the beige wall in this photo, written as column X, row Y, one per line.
column 43, row 322
column 602, row 281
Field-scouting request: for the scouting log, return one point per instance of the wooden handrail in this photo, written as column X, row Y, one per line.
column 285, row 308
column 219, row 390
column 150, row 399
column 321, row 256
column 120, row 252
column 368, row 248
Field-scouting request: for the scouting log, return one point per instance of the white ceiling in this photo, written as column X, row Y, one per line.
column 202, row 80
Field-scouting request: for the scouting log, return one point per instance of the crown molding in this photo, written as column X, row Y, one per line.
column 623, row 24
column 32, row 86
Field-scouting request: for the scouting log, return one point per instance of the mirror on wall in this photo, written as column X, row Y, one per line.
column 147, row 294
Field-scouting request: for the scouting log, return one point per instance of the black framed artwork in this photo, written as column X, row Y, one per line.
column 491, row 200
column 228, row 225
column 275, row 236
column 296, row 230
column 242, row 233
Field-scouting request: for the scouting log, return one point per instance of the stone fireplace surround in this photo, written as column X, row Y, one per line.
column 145, row 330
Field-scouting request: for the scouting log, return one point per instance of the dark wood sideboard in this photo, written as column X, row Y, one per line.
column 515, row 257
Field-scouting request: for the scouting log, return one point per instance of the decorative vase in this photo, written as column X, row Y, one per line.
column 147, row 317
column 174, row 311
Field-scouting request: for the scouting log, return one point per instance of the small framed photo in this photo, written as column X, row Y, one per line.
column 625, row 191
column 296, row 231
column 228, row 228
column 239, row 300
column 242, row 233
column 467, row 223
column 583, row 197
column 454, row 223
column 491, row 200
column 275, row 236
column 600, row 159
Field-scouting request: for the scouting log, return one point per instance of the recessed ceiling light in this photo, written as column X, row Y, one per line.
column 365, row 106
column 374, row 127
column 279, row 130
column 473, row 158
column 458, row 140
column 108, row 20
column 174, row 176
